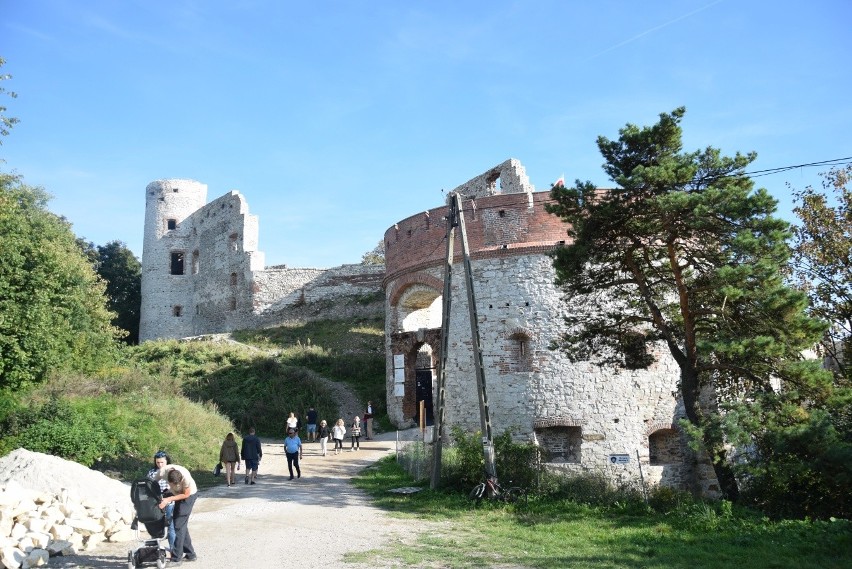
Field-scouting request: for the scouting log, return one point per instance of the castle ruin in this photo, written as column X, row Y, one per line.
column 203, row 273
column 586, row 417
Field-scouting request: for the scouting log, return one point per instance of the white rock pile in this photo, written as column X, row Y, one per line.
column 50, row 506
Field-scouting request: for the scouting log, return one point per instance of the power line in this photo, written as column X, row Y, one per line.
column 769, row 171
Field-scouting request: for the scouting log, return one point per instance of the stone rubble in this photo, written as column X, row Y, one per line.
column 50, row 506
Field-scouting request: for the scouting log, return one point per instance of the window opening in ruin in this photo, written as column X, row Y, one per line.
column 664, row 447
column 502, row 213
column 519, row 353
column 419, row 307
column 233, row 304
column 171, row 224
column 233, row 279
column 177, row 310
column 494, row 185
column 561, row 445
column 195, row 262
column 233, row 238
column 177, row 263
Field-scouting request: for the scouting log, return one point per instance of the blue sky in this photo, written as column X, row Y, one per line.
column 337, row 119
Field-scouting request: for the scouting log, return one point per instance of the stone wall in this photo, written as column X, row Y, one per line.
column 221, row 284
column 580, row 413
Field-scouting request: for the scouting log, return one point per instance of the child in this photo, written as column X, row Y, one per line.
column 324, row 434
column 356, row 434
column 337, row 433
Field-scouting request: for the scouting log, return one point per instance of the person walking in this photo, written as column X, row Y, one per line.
column 337, row 433
column 312, row 424
column 292, row 422
column 355, row 433
column 368, row 420
column 324, row 434
column 229, row 455
column 161, row 459
column 293, row 449
column 251, row 453
column 184, row 492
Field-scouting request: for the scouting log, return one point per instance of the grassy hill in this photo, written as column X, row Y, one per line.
column 185, row 396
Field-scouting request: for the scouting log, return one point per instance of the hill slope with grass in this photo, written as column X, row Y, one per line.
column 185, row 396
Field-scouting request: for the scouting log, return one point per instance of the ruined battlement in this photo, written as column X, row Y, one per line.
column 202, row 271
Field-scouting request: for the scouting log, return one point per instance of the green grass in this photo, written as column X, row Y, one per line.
column 553, row 533
column 347, row 351
column 184, row 397
column 339, row 336
column 116, row 423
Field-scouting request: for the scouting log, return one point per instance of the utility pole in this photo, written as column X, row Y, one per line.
column 438, row 440
column 455, row 218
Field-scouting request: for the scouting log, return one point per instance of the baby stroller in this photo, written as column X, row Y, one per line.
column 146, row 497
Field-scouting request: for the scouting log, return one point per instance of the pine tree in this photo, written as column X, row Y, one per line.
column 685, row 251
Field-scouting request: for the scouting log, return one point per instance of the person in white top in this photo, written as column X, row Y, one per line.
column 355, row 433
column 292, row 422
column 184, row 492
column 337, row 433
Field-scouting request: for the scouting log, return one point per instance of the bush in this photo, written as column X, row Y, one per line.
column 59, row 428
column 798, row 459
column 592, row 489
column 664, row 499
column 463, row 466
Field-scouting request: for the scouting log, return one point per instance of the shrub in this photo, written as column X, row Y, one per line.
column 463, row 466
column 59, row 428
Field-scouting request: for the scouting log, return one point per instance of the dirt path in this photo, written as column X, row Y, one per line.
column 308, row 522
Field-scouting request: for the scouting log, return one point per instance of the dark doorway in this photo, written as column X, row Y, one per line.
column 423, row 377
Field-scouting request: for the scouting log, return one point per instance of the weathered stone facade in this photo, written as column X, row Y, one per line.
column 202, row 272
column 580, row 413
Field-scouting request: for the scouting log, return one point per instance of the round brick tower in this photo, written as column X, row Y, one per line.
column 167, row 293
column 582, row 414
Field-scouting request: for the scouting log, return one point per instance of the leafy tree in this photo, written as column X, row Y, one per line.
column 376, row 256
column 53, row 312
column 823, row 261
column 6, row 123
column 684, row 251
column 119, row 267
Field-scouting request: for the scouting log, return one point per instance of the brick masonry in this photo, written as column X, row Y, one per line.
column 580, row 413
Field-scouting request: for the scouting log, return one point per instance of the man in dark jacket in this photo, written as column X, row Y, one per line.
column 251, row 453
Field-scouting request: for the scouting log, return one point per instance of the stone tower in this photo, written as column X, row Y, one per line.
column 167, row 257
column 586, row 417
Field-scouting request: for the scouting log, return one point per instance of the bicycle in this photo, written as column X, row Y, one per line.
column 492, row 490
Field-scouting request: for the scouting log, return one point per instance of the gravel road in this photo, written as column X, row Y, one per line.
column 309, row 522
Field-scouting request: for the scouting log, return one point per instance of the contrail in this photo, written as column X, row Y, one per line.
column 654, row 29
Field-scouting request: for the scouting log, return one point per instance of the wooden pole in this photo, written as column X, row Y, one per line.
column 435, row 480
column 484, row 413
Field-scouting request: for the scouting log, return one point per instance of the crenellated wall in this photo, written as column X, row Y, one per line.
column 580, row 413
